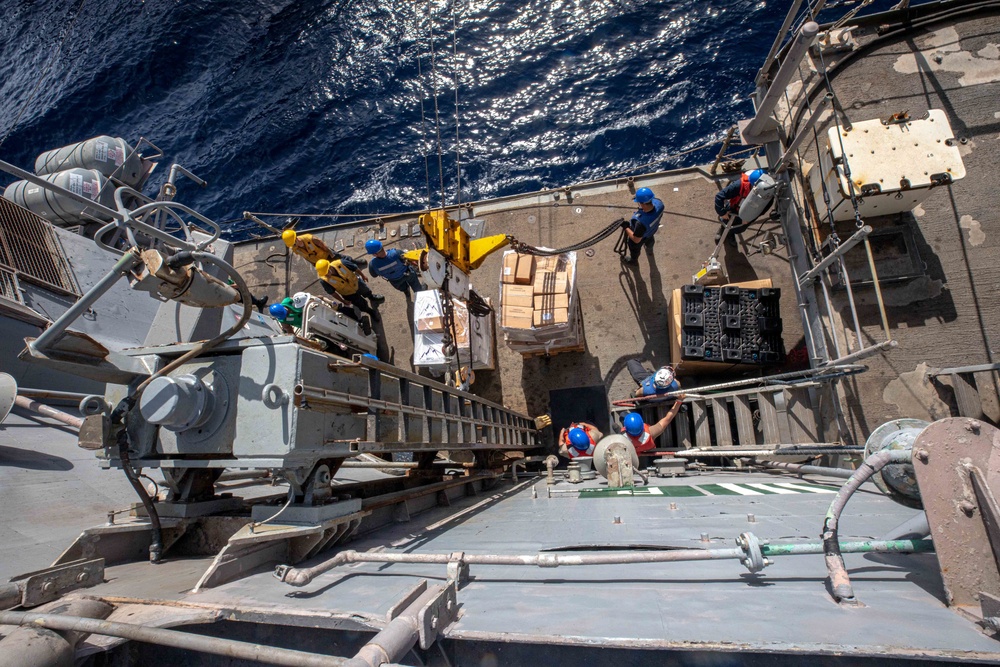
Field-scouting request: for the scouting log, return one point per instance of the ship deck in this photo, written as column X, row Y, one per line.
column 528, row 614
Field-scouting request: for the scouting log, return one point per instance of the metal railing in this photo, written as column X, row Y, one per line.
column 31, row 249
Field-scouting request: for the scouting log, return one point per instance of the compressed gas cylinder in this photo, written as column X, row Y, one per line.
column 58, row 208
column 760, row 196
column 111, row 156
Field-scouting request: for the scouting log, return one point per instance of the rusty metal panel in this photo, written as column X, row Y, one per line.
column 966, row 396
column 30, row 247
column 942, row 456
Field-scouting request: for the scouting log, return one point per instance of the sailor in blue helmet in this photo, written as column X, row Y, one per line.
column 644, row 223
column 389, row 264
column 727, row 204
column 578, row 439
column 642, row 435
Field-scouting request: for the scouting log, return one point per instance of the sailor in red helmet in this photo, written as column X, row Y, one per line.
column 578, row 439
column 642, row 435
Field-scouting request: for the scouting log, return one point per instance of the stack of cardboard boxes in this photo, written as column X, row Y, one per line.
column 540, row 309
column 475, row 343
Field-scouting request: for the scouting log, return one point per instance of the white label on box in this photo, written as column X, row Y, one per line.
column 546, row 316
column 506, row 271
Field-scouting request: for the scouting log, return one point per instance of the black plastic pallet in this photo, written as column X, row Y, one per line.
column 731, row 325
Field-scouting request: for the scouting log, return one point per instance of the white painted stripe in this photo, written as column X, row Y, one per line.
column 624, row 493
column 772, row 489
column 702, row 491
column 654, row 491
column 741, row 490
column 808, row 489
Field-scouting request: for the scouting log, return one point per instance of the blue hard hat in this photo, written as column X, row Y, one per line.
column 755, row 176
column 643, row 196
column 579, row 439
column 634, row 424
column 373, row 246
column 278, row 311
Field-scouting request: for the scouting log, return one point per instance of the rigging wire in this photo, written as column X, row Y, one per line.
column 45, row 70
column 458, row 153
column 437, row 111
column 423, row 130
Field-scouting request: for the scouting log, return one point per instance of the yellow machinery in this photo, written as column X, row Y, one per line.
column 449, row 239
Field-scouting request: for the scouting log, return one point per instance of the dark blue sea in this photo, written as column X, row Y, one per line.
column 328, row 106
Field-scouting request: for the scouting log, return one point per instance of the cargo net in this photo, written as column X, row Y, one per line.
column 731, row 325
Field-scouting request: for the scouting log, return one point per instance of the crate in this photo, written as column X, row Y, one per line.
column 731, row 325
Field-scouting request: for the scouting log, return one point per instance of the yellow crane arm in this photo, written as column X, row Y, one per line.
column 449, row 238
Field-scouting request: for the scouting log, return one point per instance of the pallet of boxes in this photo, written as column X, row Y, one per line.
column 473, row 335
column 539, row 305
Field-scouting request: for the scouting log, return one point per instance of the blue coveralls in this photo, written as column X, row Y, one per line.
column 399, row 274
column 644, row 225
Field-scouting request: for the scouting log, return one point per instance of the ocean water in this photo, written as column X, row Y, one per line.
column 329, row 106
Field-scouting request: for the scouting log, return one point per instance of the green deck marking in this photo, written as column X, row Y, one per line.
column 717, row 490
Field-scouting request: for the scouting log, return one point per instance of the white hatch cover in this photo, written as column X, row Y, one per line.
column 890, row 155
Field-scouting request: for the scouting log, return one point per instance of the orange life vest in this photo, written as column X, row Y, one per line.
column 571, row 451
column 745, row 188
column 641, row 442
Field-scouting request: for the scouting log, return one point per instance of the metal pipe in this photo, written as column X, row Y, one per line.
column 840, row 581
column 789, row 66
column 550, row 464
column 846, row 369
column 850, row 302
column 865, row 352
column 183, row 640
column 856, row 238
column 123, row 266
column 303, row 576
column 789, row 451
column 723, row 149
column 46, row 394
column 803, row 133
column 778, row 39
column 829, row 313
column 878, row 290
column 52, row 187
column 801, row 469
column 52, row 413
column 915, row 528
column 398, row 636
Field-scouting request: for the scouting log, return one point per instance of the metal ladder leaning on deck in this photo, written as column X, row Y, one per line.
column 779, row 412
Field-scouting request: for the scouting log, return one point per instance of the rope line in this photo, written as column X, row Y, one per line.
column 423, row 130
column 437, row 111
column 458, row 153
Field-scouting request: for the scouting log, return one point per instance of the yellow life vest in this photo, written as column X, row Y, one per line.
column 342, row 278
column 308, row 250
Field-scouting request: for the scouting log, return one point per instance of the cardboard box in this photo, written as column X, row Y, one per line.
column 525, row 270
column 509, row 269
column 542, row 318
column 517, row 317
column 551, row 283
column 518, row 295
column 549, row 263
column 430, row 324
column 550, row 301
